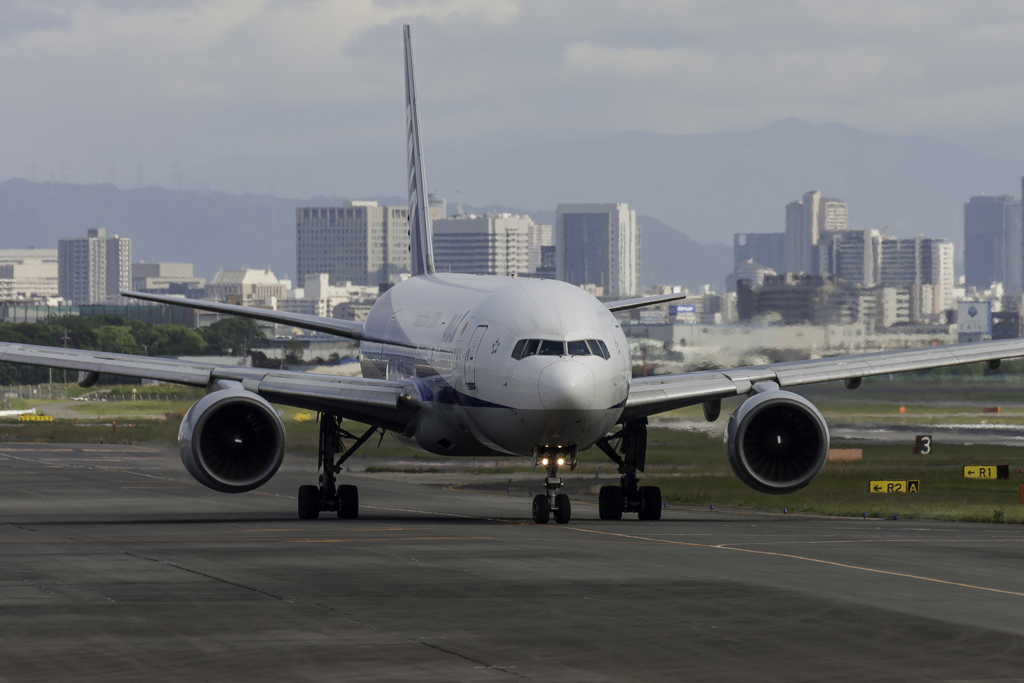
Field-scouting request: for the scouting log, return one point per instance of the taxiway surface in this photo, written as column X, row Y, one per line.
column 114, row 565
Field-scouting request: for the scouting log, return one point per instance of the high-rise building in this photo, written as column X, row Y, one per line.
column 985, row 240
column 358, row 242
column 1013, row 247
column 765, row 248
column 491, row 244
column 853, row 255
column 94, row 269
column 246, row 286
column 806, row 220
column 538, row 236
column 599, row 245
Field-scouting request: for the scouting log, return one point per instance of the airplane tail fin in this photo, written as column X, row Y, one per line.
column 420, row 231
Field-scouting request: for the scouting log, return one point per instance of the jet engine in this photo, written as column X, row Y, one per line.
column 231, row 440
column 776, row 442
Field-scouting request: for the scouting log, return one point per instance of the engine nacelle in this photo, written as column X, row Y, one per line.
column 231, row 441
column 776, row 442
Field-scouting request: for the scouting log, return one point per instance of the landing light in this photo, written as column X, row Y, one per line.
column 544, row 461
column 561, row 461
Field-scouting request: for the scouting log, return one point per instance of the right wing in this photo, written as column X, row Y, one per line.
column 341, row 328
column 661, row 393
column 379, row 403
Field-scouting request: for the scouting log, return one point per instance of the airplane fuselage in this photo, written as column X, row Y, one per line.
column 474, row 348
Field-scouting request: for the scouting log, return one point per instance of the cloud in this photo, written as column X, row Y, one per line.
column 87, row 83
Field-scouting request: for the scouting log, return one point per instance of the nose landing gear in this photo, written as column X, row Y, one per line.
column 544, row 504
column 629, row 496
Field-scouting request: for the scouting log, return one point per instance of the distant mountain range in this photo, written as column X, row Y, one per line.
column 216, row 230
column 707, row 186
column 691, row 191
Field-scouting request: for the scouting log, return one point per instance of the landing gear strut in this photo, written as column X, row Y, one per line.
column 544, row 504
column 629, row 496
column 328, row 496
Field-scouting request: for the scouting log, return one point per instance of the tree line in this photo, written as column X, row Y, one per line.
column 110, row 333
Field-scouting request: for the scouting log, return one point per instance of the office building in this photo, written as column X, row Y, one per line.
column 94, row 269
column 985, row 240
column 166, row 278
column 806, row 220
column 28, row 274
column 853, row 255
column 358, row 242
column 491, row 244
column 599, row 245
column 538, row 236
column 765, row 248
column 438, row 206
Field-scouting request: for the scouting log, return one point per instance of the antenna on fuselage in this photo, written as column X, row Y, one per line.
column 421, row 246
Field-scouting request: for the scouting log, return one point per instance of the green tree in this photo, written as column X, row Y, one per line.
column 174, row 339
column 115, row 339
column 233, row 335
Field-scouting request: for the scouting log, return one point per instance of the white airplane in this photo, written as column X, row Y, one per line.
column 469, row 365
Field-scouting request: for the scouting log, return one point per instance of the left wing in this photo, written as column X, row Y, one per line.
column 342, row 328
column 380, row 403
column 660, row 393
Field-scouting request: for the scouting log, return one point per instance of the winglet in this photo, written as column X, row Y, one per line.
column 420, row 231
column 627, row 304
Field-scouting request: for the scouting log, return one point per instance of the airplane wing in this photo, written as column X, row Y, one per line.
column 661, row 393
column 626, row 304
column 341, row 328
column 380, row 403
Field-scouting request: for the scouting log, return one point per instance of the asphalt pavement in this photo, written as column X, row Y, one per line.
column 115, row 565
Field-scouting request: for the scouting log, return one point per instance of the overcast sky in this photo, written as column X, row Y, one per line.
column 94, row 91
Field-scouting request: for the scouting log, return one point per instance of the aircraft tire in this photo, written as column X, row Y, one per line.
column 348, row 502
column 610, row 502
column 309, row 502
column 563, row 509
column 541, row 509
column 650, row 503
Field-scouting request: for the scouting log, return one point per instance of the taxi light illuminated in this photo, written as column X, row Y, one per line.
column 544, row 461
column 561, row 461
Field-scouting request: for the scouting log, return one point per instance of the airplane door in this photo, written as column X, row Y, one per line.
column 474, row 346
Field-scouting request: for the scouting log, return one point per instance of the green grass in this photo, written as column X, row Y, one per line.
column 127, row 409
column 691, row 469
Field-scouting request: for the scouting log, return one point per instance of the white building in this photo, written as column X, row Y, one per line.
column 599, row 244
column 28, row 274
column 491, row 244
column 246, row 287
column 358, row 242
column 94, row 269
column 320, row 297
column 165, row 278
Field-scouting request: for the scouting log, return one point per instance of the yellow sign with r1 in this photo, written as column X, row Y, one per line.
column 895, row 486
column 986, row 471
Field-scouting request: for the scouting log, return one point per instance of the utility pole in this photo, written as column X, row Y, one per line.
column 66, row 338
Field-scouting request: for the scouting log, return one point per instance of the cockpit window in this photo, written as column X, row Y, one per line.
column 578, row 348
column 549, row 347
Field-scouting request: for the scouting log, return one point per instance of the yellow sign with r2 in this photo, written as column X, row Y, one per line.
column 895, row 486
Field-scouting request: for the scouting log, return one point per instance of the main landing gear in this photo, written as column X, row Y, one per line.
column 629, row 496
column 548, row 503
column 328, row 496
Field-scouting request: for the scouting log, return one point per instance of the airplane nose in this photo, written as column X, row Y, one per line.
column 567, row 385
